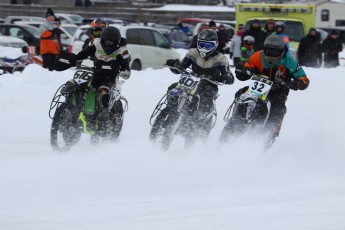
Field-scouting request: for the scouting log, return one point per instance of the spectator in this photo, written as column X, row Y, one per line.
column 223, row 37
column 235, row 47
column 194, row 39
column 14, row 2
column 280, row 27
column 49, row 45
column 185, row 29
column 212, row 25
column 331, row 47
column 247, row 48
column 58, row 35
column 269, row 27
column 310, row 51
column 256, row 32
column 78, row 3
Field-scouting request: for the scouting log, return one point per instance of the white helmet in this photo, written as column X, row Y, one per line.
column 249, row 40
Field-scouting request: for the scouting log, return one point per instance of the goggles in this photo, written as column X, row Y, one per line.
column 96, row 32
column 273, row 52
column 207, row 45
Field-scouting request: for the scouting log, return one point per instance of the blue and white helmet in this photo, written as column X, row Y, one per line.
column 207, row 42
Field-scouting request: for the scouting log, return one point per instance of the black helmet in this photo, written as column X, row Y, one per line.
column 207, row 42
column 274, row 49
column 97, row 26
column 110, row 39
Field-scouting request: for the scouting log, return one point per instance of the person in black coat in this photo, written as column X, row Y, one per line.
column 331, row 47
column 310, row 51
column 259, row 35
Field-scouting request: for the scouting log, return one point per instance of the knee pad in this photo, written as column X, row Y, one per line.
column 103, row 97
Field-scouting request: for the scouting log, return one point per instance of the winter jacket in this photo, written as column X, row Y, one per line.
column 217, row 64
column 246, row 53
column 286, row 40
column 286, row 69
column 49, row 38
column 310, row 51
column 331, row 47
column 258, row 35
column 235, row 47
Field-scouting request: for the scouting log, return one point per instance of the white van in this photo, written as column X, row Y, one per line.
column 147, row 47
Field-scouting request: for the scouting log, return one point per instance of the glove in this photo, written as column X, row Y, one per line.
column 295, row 85
column 173, row 62
column 242, row 73
column 64, row 61
column 124, row 74
column 56, row 31
column 231, row 55
column 229, row 79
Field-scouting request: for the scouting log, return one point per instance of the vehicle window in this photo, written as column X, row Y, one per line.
column 3, row 30
column 71, row 30
column 132, row 36
column 34, row 31
column 294, row 30
column 16, row 32
column 146, row 38
column 339, row 22
column 76, row 18
column 179, row 36
column 161, row 41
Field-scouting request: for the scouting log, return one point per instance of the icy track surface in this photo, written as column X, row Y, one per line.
column 131, row 185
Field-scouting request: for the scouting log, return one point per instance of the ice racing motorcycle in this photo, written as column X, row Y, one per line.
column 9, row 65
column 250, row 110
column 178, row 113
column 74, row 111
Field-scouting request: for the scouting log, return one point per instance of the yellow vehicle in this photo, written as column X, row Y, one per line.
column 298, row 18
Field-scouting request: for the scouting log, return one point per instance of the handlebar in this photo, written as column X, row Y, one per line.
column 191, row 71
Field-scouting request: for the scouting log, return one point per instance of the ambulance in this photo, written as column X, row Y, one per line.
column 298, row 18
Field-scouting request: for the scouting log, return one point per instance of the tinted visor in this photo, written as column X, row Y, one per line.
column 206, row 45
column 109, row 43
column 273, row 52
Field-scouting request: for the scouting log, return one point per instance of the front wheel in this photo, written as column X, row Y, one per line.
column 63, row 133
column 163, row 128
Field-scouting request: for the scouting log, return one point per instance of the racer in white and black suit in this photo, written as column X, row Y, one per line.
column 111, row 61
column 208, row 61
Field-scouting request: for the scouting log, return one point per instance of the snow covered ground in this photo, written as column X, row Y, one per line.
column 131, row 185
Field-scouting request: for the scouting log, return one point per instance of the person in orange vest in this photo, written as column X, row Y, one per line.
column 49, row 45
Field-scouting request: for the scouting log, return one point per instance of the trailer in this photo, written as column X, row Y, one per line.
column 330, row 14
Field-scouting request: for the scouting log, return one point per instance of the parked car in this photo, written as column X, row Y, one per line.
column 193, row 21
column 147, row 46
column 68, row 30
column 12, row 19
column 9, row 41
column 177, row 38
column 70, row 18
column 30, row 34
column 87, row 21
column 340, row 30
